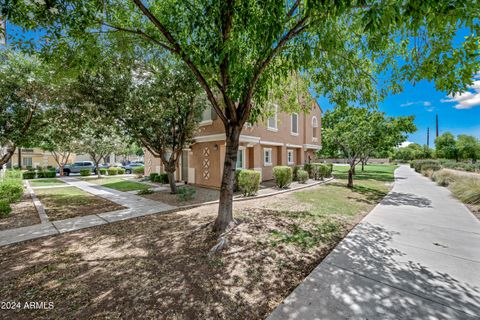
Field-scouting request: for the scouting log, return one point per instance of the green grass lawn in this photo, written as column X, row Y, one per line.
column 47, row 182
column 330, row 209
column 126, row 185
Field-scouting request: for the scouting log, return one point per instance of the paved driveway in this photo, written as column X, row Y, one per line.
column 415, row 256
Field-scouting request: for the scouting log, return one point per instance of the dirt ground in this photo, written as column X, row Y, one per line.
column 159, row 267
column 23, row 214
column 70, row 202
column 201, row 195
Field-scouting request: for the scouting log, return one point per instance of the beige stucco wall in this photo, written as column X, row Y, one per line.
column 207, row 163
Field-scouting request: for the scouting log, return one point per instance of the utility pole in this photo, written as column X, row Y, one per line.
column 436, row 123
column 428, row 137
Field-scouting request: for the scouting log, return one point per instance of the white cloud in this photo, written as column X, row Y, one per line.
column 411, row 103
column 405, row 144
column 468, row 99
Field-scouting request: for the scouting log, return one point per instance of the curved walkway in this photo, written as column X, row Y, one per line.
column 415, row 256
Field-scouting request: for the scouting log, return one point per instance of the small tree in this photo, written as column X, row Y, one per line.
column 446, row 146
column 468, row 147
column 356, row 132
column 158, row 104
column 24, row 91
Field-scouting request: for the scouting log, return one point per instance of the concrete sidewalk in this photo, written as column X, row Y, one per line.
column 415, row 256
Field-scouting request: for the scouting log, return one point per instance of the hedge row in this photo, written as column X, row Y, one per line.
column 11, row 191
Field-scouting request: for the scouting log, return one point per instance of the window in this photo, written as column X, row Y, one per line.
column 314, row 126
column 240, row 159
column 294, row 124
column 290, row 157
column 206, row 116
column 267, row 157
column 273, row 120
column 27, row 161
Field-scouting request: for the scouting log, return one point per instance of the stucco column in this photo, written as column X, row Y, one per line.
column 300, row 156
column 282, row 155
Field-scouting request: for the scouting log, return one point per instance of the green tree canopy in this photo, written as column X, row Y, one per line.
column 446, row 146
column 239, row 51
column 468, row 147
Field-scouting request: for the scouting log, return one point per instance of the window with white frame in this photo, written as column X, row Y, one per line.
column 273, row 120
column 315, row 126
column 290, row 157
column 206, row 116
column 240, row 159
column 267, row 157
column 294, row 130
column 26, row 161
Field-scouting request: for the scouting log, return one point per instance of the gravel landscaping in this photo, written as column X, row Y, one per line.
column 201, row 195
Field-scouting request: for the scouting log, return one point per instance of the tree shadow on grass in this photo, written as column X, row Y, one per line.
column 372, row 195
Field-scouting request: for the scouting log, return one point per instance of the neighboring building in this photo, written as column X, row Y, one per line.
column 34, row 157
column 285, row 139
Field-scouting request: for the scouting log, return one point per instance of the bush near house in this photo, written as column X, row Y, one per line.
column 85, row 172
column 11, row 190
column 295, row 172
column 49, row 173
column 139, row 171
column 283, row 176
column 308, row 167
column 186, row 193
column 120, row 171
column 162, row 178
column 112, row 171
column 319, row 171
column 103, row 171
column 248, row 182
column 5, row 208
column 29, row 175
column 153, row 176
column 302, row 176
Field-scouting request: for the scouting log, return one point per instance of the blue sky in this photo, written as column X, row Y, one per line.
column 459, row 115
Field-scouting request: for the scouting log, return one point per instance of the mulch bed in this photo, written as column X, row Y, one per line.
column 201, row 195
column 23, row 214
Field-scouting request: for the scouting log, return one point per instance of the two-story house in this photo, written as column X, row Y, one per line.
column 284, row 139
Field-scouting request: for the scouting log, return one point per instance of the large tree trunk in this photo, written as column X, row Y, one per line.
column 6, row 157
column 98, row 170
column 350, row 177
column 363, row 165
column 170, row 169
column 61, row 170
column 225, row 207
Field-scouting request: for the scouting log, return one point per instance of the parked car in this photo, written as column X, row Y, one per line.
column 77, row 166
column 129, row 167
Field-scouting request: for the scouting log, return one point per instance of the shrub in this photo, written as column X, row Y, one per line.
column 467, row 189
column 40, row 174
column 302, row 176
column 50, row 174
column 112, row 171
column 139, row 171
column 444, row 178
column 29, row 175
column 30, row 168
column 162, row 178
column 235, row 182
column 11, row 190
column 85, row 172
column 5, row 208
column 13, row 174
column 248, row 182
column 120, row 171
column 103, row 171
column 283, row 176
column 295, row 173
column 321, row 170
column 153, row 176
column 186, row 193
column 145, row 191
column 425, row 165
column 308, row 167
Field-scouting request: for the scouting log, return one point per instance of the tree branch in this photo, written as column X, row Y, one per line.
column 178, row 50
